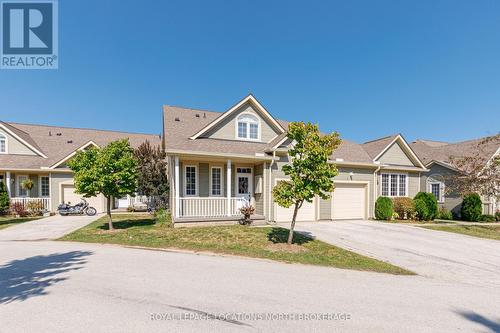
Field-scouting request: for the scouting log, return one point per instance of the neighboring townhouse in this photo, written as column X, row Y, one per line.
column 219, row 162
column 437, row 157
column 40, row 153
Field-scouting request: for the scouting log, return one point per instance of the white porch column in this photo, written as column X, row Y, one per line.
column 8, row 183
column 228, row 184
column 177, row 190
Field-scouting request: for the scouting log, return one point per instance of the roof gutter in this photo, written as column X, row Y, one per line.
column 209, row 154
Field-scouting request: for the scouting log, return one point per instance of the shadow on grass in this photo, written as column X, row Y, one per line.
column 492, row 325
column 29, row 277
column 125, row 224
column 16, row 220
column 280, row 235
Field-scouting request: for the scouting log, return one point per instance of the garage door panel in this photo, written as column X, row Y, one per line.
column 349, row 201
column 69, row 195
column 305, row 213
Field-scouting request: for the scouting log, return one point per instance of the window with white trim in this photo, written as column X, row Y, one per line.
column 248, row 127
column 44, row 186
column 190, row 180
column 22, row 192
column 393, row 185
column 216, row 178
column 3, row 144
column 437, row 189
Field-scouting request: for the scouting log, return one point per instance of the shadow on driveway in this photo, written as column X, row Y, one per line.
column 29, row 277
column 492, row 325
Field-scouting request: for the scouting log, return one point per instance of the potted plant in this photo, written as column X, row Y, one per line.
column 247, row 211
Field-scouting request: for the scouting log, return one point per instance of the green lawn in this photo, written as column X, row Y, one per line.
column 483, row 231
column 258, row 242
column 7, row 221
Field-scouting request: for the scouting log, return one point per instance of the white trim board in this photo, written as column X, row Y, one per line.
column 73, row 154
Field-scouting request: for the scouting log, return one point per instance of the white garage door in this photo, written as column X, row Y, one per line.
column 349, row 201
column 69, row 195
column 305, row 213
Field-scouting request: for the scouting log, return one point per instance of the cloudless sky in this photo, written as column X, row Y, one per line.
column 428, row 69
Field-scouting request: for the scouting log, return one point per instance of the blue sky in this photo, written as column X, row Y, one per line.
column 427, row 69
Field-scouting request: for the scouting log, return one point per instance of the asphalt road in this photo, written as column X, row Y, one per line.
column 72, row 287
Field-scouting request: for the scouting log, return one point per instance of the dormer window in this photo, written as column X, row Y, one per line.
column 248, row 127
column 3, row 144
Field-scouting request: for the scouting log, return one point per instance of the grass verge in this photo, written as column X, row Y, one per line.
column 7, row 221
column 482, row 231
column 258, row 242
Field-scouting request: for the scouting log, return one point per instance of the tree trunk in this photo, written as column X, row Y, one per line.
column 290, row 233
column 108, row 211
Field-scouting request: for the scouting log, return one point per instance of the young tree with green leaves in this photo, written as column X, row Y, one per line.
column 152, row 173
column 4, row 198
column 309, row 170
column 111, row 170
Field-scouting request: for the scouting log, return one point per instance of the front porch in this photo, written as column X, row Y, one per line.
column 37, row 197
column 210, row 189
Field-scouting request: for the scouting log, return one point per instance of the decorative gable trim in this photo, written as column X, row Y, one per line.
column 90, row 143
column 405, row 147
column 37, row 151
column 226, row 114
column 443, row 164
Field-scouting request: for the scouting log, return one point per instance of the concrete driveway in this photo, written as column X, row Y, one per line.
column 52, row 227
column 441, row 255
column 76, row 287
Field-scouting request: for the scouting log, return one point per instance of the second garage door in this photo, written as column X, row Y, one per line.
column 305, row 213
column 349, row 201
column 69, row 195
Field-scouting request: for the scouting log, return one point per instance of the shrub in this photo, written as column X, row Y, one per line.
column 247, row 211
column 4, row 199
column 445, row 214
column 472, row 207
column 497, row 216
column 422, row 212
column 34, row 208
column 487, row 218
column 383, row 208
column 163, row 217
column 404, row 207
column 430, row 202
column 17, row 208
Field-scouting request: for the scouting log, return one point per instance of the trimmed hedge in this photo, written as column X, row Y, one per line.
column 421, row 209
column 404, row 207
column 4, row 199
column 472, row 207
column 383, row 208
column 431, row 204
column 445, row 214
column 487, row 218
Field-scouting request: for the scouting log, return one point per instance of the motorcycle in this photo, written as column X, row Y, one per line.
column 79, row 209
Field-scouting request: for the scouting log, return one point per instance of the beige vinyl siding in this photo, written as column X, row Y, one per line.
column 276, row 172
column 452, row 201
column 360, row 175
column 325, row 209
column 226, row 130
column 203, row 180
column 259, row 197
column 396, row 156
column 16, row 147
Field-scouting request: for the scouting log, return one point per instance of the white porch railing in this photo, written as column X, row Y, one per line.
column 210, row 207
column 42, row 203
column 137, row 199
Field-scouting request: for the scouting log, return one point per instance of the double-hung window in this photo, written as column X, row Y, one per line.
column 394, row 185
column 437, row 189
column 216, row 181
column 3, row 144
column 248, row 127
column 44, row 186
column 191, row 180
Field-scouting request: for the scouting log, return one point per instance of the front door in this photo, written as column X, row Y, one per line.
column 244, row 183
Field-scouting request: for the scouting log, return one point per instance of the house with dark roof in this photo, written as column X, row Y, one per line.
column 221, row 161
column 438, row 158
column 40, row 153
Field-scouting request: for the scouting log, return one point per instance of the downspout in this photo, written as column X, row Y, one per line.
column 375, row 185
column 270, row 187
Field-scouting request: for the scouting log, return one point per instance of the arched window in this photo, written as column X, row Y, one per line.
column 3, row 144
column 248, row 127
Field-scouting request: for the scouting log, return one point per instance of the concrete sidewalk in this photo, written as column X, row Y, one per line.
column 47, row 228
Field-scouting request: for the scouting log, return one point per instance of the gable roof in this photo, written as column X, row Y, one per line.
column 59, row 142
column 444, row 153
column 23, row 137
column 249, row 99
column 376, row 148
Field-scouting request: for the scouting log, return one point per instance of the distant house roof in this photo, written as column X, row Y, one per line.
column 57, row 142
column 375, row 147
column 429, row 152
